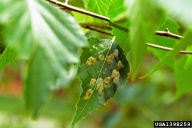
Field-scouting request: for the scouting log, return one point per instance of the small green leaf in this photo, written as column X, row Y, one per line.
column 185, row 42
column 98, row 6
column 8, row 56
column 183, row 75
column 99, row 72
column 145, row 18
column 116, row 10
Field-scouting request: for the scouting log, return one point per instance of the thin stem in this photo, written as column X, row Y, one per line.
column 160, row 33
column 97, row 30
column 148, row 44
column 168, row 34
column 71, row 8
column 167, row 48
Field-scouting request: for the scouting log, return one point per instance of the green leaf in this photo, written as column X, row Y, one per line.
column 8, row 56
column 165, row 41
column 116, row 10
column 50, row 39
column 183, row 75
column 185, row 42
column 98, row 63
column 98, row 6
column 145, row 18
column 120, row 24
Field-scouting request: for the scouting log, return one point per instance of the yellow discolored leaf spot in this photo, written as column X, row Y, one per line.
column 107, row 80
column 116, row 79
column 100, row 85
column 110, row 58
column 91, row 61
column 116, row 52
column 115, row 74
column 101, row 57
column 93, row 81
column 119, row 64
column 88, row 94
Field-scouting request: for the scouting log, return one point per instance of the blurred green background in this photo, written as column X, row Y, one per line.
column 136, row 105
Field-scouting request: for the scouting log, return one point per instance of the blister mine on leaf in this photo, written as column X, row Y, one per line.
column 103, row 77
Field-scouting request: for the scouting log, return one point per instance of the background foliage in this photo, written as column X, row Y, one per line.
column 46, row 46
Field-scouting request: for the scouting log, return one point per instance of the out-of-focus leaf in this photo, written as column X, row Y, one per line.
column 117, row 14
column 185, row 42
column 116, row 10
column 112, row 119
column 179, row 9
column 98, row 6
column 165, row 41
column 183, row 75
column 49, row 38
column 145, row 18
column 8, row 56
column 101, row 74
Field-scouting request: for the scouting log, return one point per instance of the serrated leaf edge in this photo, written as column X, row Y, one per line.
column 72, row 125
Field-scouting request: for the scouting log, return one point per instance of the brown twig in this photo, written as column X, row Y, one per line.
column 72, row 8
column 168, row 34
column 160, row 33
column 167, row 48
column 97, row 30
